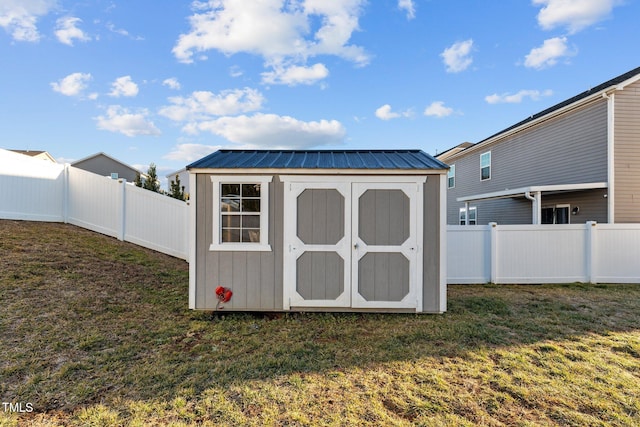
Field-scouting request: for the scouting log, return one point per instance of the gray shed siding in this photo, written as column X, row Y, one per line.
column 627, row 154
column 568, row 149
column 256, row 278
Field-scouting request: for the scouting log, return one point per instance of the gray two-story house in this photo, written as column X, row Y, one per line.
column 574, row 162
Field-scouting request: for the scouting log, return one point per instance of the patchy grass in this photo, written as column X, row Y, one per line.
column 97, row 332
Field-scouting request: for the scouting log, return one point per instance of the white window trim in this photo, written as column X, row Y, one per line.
column 490, row 166
column 452, row 170
column 466, row 215
column 263, row 245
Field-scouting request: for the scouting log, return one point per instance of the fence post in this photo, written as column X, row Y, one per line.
column 493, row 252
column 591, row 251
column 122, row 221
column 65, row 193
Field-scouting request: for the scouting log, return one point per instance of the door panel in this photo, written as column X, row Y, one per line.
column 385, row 245
column 317, row 244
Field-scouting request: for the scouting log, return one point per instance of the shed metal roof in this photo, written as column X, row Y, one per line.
column 318, row 159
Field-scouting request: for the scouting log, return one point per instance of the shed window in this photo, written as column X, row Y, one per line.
column 451, row 177
column 485, row 166
column 240, row 213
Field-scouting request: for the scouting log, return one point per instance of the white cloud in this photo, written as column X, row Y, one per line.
column 67, row 31
column 296, row 75
column 72, row 85
column 282, row 32
column 575, row 15
column 458, row 57
column 437, row 109
column 123, row 86
column 172, row 83
column 516, row 98
column 203, row 105
column 120, row 119
column 548, row 54
column 273, row 131
column 19, row 17
column 384, row 113
column 189, row 152
column 409, row 7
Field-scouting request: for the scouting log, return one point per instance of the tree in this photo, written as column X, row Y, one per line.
column 175, row 190
column 152, row 183
column 149, row 181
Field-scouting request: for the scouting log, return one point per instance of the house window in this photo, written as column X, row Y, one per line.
column 473, row 216
column 451, row 177
column 555, row 214
column 485, row 166
column 240, row 213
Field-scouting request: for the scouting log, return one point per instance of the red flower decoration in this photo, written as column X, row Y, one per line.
column 223, row 294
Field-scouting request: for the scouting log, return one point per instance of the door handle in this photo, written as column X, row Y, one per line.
column 355, row 246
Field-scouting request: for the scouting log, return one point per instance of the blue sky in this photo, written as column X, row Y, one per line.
column 171, row 81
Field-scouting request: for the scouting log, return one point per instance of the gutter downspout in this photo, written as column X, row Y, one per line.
column 536, row 208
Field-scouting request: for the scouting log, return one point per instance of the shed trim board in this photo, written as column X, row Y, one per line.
column 351, row 247
column 324, row 172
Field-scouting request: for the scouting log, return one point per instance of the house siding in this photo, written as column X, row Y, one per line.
column 256, row 278
column 627, row 154
column 568, row 149
column 104, row 166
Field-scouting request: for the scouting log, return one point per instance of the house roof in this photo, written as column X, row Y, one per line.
column 319, row 159
column 102, row 154
column 615, row 83
column 36, row 153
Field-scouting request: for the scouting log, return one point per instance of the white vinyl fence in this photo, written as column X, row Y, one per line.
column 590, row 252
column 44, row 191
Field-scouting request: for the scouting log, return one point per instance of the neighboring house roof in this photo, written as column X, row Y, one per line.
column 38, row 154
column 101, row 154
column 319, row 159
column 616, row 83
column 453, row 150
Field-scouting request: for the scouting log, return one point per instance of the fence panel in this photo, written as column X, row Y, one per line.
column 541, row 254
column 30, row 189
column 617, row 257
column 94, row 202
column 155, row 221
column 468, row 250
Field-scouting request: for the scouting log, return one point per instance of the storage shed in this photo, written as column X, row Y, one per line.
column 319, row 230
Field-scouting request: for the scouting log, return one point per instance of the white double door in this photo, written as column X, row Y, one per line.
column 353, row 244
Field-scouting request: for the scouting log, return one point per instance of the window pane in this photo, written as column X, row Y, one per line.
column 472, row 214
column 230, row 235
column 231, row 221
column 562, row 215
column 451, row 182
column 547, row 216
column 485, row 173
column 231, row 190
column 485, row 159
column 251, row 205
column 250, row 221
column 250, row 190
column 230, row 205
column 251, row 236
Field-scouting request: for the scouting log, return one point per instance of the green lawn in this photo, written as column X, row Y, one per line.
column 94, row 331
